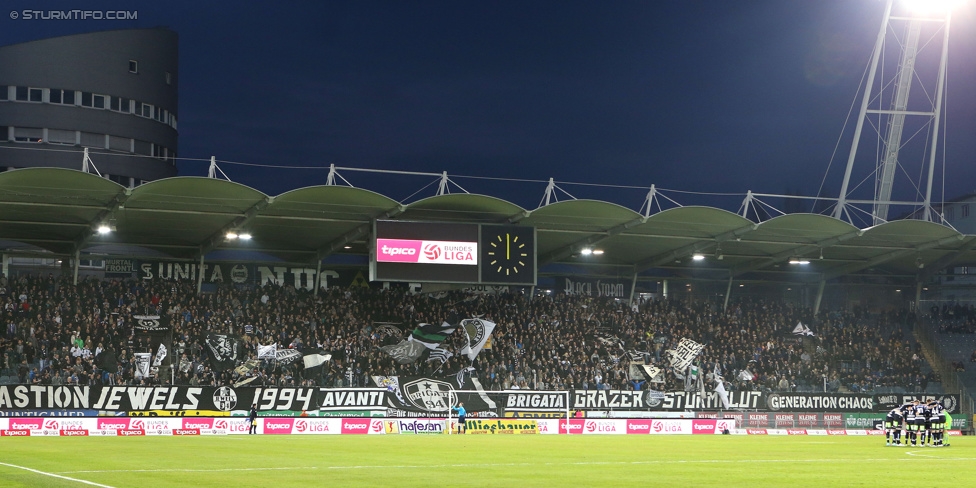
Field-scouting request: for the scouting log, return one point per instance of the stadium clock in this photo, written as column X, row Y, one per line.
column 508, row 254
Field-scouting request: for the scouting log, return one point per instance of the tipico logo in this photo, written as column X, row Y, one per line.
column 197, row 423
column 26, row 424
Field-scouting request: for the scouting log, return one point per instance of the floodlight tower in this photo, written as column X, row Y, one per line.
column 912, row 16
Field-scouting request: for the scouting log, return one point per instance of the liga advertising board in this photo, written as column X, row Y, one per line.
column 175, row 426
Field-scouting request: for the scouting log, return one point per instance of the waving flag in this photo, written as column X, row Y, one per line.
column 440, row 354
column 429, row 336
column 684, row 354
column 224, row 351
column 478, row 331
column 267, row 352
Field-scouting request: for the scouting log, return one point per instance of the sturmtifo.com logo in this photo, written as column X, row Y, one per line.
column 28, row 14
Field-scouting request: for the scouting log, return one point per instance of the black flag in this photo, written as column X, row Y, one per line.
column 225, row 350
column 156, row 331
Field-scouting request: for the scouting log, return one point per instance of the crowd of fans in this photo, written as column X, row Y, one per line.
column 954, row 318
column 59, row 333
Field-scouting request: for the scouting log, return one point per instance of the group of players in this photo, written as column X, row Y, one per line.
column 923, row 424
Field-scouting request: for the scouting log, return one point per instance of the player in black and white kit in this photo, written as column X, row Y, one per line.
column 938, row 420
column 926, row 431
column 916, row 416
column 893, row 426
column 910, row 434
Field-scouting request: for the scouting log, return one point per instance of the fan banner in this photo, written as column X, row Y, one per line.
column 431, row 396
column 435, row 395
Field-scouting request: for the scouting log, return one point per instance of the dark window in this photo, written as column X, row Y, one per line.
column 948, row 214
column 125, row 105
column 147, row 110
column 28, row 134
column 157, row 151
column 133, row 66
column 22, row 93
column 143, row 147
column 61, row 136
column 115, row 104
column 36, row 95
column 3, row 93
column 89, row 139
column 965, row 210
column 3, row 133
column 98, row 101
column 66, row 97
column 86, row 99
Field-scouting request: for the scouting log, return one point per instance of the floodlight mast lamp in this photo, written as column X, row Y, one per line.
column 919, row 12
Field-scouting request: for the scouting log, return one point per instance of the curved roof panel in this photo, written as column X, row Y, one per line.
column 52, row 207
column 56, row 210
column 461, row 207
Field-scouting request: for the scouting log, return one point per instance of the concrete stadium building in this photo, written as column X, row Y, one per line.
column 114, row 93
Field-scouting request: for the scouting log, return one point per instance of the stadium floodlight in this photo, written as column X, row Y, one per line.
column 597, row 252
column 231, row 236
column 104, row 229
column 244, row 237
column 698, row 257
column 586, row 252
column 933, row 6
column 799, row 261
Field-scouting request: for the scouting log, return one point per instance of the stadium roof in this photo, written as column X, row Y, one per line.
column 49, row 211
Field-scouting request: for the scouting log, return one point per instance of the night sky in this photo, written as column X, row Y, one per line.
column 698, row 96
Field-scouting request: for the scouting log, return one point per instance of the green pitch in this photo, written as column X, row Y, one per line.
column 510, row 461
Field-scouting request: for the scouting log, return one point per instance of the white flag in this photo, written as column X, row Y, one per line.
column 313, row 360
column 440, row 354
column 267, row 352
column 722, row 394
column 799, row 329
column 160, row 355
column 478, row 331
column 684, row 354
column 142, row 364
column 653, row 373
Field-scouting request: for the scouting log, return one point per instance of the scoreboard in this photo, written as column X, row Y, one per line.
column 434, row 252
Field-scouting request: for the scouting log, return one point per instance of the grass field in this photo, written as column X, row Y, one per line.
column 513, row 461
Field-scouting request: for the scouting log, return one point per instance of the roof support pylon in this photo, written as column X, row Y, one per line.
column 212, row 172
column 551, row 196
column 746, row 205
column 650, row 201
column 86, row 161
column 443, row 189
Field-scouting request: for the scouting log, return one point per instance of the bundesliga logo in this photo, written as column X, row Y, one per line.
column 432, row 251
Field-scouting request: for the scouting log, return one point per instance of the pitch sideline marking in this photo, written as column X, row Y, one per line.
column 915, row 453
column 92, row 483
column 480, row 465
column 183, row 470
